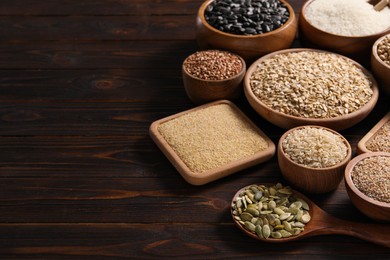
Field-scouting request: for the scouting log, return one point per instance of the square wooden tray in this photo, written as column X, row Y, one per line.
column 361, row 147
column 197, row 178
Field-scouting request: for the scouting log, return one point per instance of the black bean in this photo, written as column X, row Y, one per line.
column 246, row 17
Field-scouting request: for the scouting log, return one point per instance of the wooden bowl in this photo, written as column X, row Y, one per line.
column 287, row 121
column 217, row 172
column 201, row 91
column 309, row 179
column 355, row 47
column 380, row 69
column 374, row 209
column 249, row 47
column 362, row 145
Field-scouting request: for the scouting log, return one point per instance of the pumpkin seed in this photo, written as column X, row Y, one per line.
column 266, row 231
column 259, row 231
column 271, row 204
column 245, row 216
column 285, row 233
column 253, row 211
column 270, row 211
column 279, row 211
column 276, row 234
column 250, row 226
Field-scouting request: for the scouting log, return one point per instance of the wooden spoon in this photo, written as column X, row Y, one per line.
column 379, row 4
column 322, row 223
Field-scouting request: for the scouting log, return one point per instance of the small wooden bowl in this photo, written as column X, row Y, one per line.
column 362, row 145
column 287, row 121
column 355, row 47
column 248, row 47
column 200, row 178
column 376, row 210
column 380, row 69
column 308, row 179
column 201, row 91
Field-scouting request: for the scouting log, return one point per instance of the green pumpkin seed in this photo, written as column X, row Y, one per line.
column 250, row 226
column 285, row 233
column 284, row 216
column 245, row 216
column 253, row 212
column 266, row 231
column 271, row 204
column 276, row 234
column 259, row 231
column 279, row 211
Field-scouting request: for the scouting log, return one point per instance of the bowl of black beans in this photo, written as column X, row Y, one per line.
column 249, row 28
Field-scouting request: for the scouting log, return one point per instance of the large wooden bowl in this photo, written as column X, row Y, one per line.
column 355, row 47
column 380, row 69
column 287, row 121
column 309, row 179
column 248, row 47
column 201, row 91
column 376, row 210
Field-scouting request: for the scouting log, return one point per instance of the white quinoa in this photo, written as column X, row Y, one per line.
column 311, row 84
column 347, row 17
column 372, row 177
column 314, row 147
column 212, row 137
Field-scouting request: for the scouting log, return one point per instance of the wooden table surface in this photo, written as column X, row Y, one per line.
column 80, row 178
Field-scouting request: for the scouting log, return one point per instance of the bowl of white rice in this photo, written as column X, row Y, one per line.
column 313, row 158
column 348, row 27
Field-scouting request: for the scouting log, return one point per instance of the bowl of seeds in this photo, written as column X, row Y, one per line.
column 270, row 212
column 377, row 139
column 367, row 179
column 313, row 158
column 301, row 86
column 348, row 27
column 211, row 75
column 211, row 141
column 380, row 62
column 249, row 28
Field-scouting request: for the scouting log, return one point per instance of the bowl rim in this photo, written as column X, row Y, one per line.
column 375, row 50
column 238, row 75
column 324, row 169
column 369, row 104
column 351, row 185
column 303, row 16
column 289, row 21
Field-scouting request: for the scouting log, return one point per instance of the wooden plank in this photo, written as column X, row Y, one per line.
column 105, row 113
column 176, row 241
column 37, row 28
column 117, row 199
column 119, row 85
column 106, row 7
column 95, row 55
column 98, row 8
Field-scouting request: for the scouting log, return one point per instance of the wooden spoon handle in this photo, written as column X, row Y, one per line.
column 375, row 233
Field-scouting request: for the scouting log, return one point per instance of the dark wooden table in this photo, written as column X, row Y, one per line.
column 80, row 83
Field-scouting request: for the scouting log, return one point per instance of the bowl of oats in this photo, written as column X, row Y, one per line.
column 313, row 158
column 302, row 86
column 367, row 180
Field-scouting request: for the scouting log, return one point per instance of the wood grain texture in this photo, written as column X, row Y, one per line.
column 80, row 178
